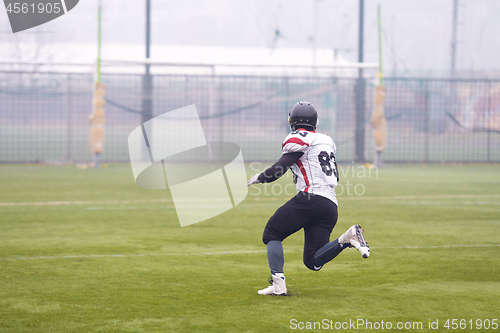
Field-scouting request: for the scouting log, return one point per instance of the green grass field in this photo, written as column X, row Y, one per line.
column 111, row 257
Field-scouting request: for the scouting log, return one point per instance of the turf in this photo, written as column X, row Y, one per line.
column 115, row 264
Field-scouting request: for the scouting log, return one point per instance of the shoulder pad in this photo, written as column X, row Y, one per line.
column 297, row 141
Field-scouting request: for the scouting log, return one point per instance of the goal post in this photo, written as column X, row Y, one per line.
column 377, row 120
column 97, row 121
column 98, row 117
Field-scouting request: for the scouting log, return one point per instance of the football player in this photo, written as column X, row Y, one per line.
column 311, row 156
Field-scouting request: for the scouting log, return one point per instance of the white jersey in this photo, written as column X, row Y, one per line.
column 315, row 170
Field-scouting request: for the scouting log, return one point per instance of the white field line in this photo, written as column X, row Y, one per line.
column 125, row 202
column 60, row 203
column 130, row 255
column 412, row 197
column 435, row 246
column 222, row 253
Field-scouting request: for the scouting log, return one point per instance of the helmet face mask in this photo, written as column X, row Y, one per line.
column 303, row 114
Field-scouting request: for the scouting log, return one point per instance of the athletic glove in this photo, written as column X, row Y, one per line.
column 254, row 180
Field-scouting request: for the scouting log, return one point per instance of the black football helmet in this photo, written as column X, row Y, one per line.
column 303, row 114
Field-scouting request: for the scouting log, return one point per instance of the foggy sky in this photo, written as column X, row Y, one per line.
column 416, row 34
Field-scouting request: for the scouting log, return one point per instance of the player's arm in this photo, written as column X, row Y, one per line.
column 277, row 170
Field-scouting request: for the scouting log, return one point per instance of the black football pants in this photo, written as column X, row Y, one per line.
column 317, row 215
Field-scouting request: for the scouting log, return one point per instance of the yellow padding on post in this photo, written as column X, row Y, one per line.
column 97, row 119
column 377, row 120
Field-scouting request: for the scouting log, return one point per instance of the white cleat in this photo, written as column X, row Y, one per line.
column 354, row 237
column 277, row 287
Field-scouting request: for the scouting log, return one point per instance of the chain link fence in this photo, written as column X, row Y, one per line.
column 44, row 116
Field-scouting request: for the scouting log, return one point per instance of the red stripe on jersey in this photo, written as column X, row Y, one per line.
column 303, row 170
column 294, row 140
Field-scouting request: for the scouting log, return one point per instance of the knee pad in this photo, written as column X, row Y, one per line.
column 269, row 236
column 309, row 263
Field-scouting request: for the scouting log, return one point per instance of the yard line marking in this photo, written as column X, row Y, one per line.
column 130, row 255
column 435, row 246
column 59, row 203
column 222, row 253
column 436, row 196
column 118, row 202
